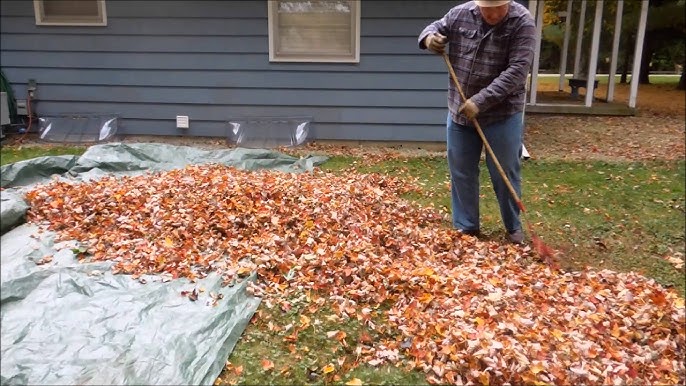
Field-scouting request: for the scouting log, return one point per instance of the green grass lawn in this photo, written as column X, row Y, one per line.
column 621, row 216
column 13, row 154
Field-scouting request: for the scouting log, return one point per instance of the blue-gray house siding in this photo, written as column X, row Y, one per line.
column 210, row 60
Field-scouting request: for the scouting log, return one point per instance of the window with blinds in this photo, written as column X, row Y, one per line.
column 314, row 30
column 70, row 12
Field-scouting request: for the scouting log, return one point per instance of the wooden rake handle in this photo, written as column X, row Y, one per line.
column 483, row 137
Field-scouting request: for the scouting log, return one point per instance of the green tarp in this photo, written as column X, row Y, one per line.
column 67, row 322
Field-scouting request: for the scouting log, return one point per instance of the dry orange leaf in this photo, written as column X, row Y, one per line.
column 485, row 378
column 425, row 298
column 328, row 369
column 615, row 330
column 267, row 365
column 558, row 335
column 536, row 368
column 304, row 321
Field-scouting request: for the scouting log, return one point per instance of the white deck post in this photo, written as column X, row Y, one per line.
column 615, row 51
column 595, row 44
column 532, row 8
column 638, row 53
column 537, row 52
column 579, row 38
column 565, row 45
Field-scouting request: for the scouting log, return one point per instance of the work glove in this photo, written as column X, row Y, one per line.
column 469, row 109
column 436, row 43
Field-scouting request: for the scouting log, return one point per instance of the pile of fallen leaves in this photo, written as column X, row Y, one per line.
column 369, row 154
column 459, row 309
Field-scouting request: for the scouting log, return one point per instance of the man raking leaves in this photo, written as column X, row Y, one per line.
column 491, row 45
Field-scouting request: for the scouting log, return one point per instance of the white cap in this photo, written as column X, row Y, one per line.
column 491, row 3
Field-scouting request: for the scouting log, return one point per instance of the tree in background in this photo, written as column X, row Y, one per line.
column 665, row 33
column 553, row 31
column 663, row 46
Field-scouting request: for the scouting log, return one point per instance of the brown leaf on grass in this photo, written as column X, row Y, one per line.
column 677, row 260
column 337, row 335
column 285, row 371
column 293, row 337
column 267, row 365
column 330, row 368
column 235, row 370
column 304, row 322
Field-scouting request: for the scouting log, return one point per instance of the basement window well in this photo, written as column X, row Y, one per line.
column 70, row 12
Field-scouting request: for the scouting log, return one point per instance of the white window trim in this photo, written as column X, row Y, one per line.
column 39, row 21
column 272, row 42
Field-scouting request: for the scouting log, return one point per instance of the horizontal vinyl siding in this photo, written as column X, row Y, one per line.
column 378, row 64
column 237, row 96
column 209, row 60
column 247, row 79
column 214, row 26
column 398, row 46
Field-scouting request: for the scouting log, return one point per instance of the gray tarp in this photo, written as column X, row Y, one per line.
column 67, row 322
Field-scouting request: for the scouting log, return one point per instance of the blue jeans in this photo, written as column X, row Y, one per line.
column 464, row 152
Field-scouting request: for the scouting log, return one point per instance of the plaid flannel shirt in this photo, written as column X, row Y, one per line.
column 491, row 64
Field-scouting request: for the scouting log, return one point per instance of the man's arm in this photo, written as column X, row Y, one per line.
column 439, row 26
column 517, row 70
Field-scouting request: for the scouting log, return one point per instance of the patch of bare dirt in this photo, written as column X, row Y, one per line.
column 605, row 138
column 656, row 132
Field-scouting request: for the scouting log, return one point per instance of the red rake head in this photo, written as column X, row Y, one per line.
column 546, row 253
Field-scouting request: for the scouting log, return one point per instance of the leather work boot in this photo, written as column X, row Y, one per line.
column 470, row 232
column 516, row 237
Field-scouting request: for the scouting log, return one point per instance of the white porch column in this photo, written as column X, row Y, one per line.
column 565, row 45
column 638, row 53
column 595, row 44
column 615, row 51
column 579, row 38
column 532, row 8
column 537, row 51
